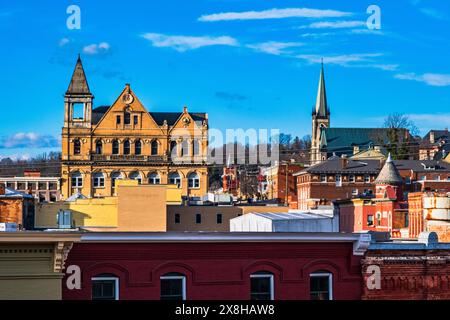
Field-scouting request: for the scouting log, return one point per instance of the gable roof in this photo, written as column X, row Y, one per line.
column 342, row 140
column 159, row 117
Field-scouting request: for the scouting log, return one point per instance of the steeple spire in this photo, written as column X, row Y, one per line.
column 78, row 83
column 321, row 101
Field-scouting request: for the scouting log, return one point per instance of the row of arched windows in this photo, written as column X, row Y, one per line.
column 173, row 286
column 98, row 179
column 136, row 146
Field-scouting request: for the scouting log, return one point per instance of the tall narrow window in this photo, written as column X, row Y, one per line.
column 98, row 180
column 321, row 285
column 193, row 180
column 127, row 118
column 262, row 287
column 115, row 147
column 76, row 146
column 154, row 147
column 117, row 119
column 197, row 147
column 105, row 287
column 135, row 120
column 173, row 286
column 184, row 148
column 138, row 147
column 173, row 148
column 338, row 180
column 98, row 147
column 219, row 218
column 177, row 218
column 153, row 178
column 126, row 147
column 198, row 218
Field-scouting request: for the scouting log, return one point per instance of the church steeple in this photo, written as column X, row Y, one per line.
column 321, row 100
column 78, row 83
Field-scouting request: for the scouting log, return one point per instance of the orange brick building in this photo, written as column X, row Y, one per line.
column 16, row 207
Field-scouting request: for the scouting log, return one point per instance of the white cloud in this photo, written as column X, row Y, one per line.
column 431, row 79
column 342, row 60
column 334, row 24
column 63, row 42
column 317, row 35
column 366, row 31
column 94, row 48
column 184, row 43
column 274, row 14
column 432, row 13
column 273, row 47
column 28, row 140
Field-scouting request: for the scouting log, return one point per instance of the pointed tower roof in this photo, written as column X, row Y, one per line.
column 78, row 83
column 389, row 174
column 321, row 101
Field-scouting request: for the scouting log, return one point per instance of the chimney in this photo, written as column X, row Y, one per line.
column 355, row 149
column 2, row 189
column 377, row 148
column 431, row 136
column 344, row 161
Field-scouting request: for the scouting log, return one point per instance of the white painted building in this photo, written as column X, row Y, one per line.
column 321, row 220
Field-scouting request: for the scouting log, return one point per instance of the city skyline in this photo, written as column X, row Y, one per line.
column 242, row 63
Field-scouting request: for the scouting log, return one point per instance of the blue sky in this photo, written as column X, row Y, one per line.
column 249, row 64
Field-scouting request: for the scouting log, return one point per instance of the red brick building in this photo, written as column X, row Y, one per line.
column 340, row 178
column 407, row 270
column 387, row 212
column 16, row 207
column 281, row 183
column 225, row 266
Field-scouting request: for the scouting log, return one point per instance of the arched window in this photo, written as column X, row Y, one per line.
column 76, row 146
column 105, row 287
column 98, row 147
column 126, row 147
column 154, row 147
column 261, row 286
column 137, row 147
column 173, row 148
column 173, row 286
column 98, row 180
column 135, row 175
column 115, row 147
column 127, row 118
column 153, row 178
column 193, row 180
column 114, row 176
column 76, row 179
column 321, row 285
column 174, row 178
column 184, row 148
column 197, row 148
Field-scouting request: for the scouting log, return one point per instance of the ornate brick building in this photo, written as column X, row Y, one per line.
column 125, row 141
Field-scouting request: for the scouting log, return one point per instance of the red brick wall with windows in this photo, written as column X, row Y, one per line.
column 217, row 270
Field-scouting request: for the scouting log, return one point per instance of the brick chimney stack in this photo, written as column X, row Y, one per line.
column 344, row 161
column 32, row 173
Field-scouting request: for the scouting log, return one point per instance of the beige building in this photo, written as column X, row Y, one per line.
column 32, row 264
column 210, row 218
column 126, row 141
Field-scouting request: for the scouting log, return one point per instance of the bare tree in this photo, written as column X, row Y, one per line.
column 401, row 143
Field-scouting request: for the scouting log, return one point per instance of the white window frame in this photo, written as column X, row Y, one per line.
column 97, row 178
column 183, row 283
column 77, row 179
column 352, row 178
column 195, row 181
column 272, row 283
column 367, row 178
column 116, row 286
column 154, row 178
column 176, row 180
column 330, row 282
column 323, row 176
